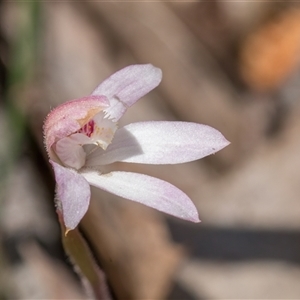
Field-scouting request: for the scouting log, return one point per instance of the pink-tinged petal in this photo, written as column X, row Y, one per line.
column 69, row 150
column 73, row 193
column 160, row 143
column 126, row 86
column 69, row 117
column 147, row 190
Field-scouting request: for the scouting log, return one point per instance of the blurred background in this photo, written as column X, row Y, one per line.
column 231, row 65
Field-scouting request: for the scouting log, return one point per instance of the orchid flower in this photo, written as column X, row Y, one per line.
column 82, row 137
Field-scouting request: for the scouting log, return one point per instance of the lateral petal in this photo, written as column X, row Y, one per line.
column 147, row 190
column 160, row 142
column 73, row 193
column 126, row 86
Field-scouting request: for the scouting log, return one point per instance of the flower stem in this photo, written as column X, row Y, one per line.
column 81, row 256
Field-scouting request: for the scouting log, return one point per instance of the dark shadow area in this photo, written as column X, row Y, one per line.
column 178, row 292
column 231, row 244
column 12, row 244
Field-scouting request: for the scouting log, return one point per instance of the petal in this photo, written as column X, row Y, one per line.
column 69, row 150
column 160, row 142
column 73, row 193
column 69, row 117
column 127, row 86
column 147, row 190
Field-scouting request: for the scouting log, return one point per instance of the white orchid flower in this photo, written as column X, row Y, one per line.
column 82, row 135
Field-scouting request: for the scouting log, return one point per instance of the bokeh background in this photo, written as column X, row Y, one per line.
column 231, row 65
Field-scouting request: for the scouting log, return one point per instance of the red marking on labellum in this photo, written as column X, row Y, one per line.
column 88, row 128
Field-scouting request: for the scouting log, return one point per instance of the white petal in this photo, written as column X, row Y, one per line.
column 160, row 143
column 147, row 190
column 126, row 86
column 73, row 193
column 70, row 151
